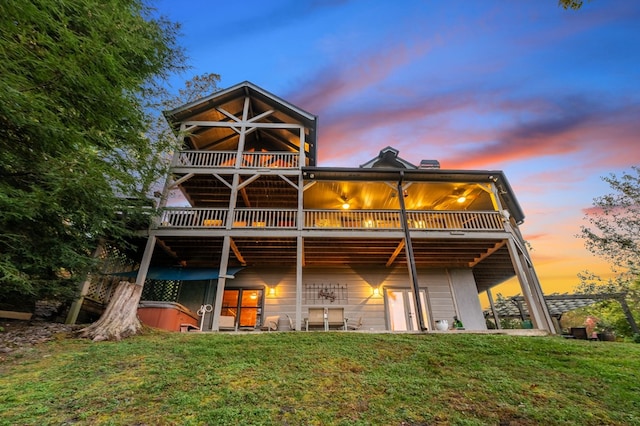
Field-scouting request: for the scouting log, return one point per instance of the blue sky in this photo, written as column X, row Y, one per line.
column 547, row 95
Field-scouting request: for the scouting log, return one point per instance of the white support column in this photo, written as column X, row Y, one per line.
column 492, row 304
column 243, row 132
column 536, row 311
column 536, row 291
column 74, row 310
column 224, row 263
column 532, row 283
column 146, row 260
column 495, row 197
column 303, row 157
column 300, row 253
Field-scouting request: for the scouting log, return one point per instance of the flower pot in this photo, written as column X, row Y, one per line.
column 442, row 325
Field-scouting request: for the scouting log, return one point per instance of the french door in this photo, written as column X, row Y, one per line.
column 401, row 308
column 245, row 304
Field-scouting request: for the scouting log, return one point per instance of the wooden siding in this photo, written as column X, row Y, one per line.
column 441, row 285
column 439, row 293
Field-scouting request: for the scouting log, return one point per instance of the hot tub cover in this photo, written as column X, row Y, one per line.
column 162, row 273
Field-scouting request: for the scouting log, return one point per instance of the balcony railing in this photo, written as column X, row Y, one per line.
column 227, row 159
column 186, row 217
column 332, row 219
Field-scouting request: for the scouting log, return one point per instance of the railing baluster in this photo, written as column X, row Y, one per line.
column 332, row 219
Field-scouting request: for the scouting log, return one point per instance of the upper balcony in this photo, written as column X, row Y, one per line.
column 330, row 220
column 194, row 161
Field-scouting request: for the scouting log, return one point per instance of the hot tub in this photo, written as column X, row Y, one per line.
column 166, row 315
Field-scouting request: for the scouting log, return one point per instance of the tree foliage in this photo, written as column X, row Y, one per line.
column 613, row 234
column 77, row 79
column 614, row 223
column 120, row 319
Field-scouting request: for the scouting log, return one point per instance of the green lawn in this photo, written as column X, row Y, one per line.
column 322, row 379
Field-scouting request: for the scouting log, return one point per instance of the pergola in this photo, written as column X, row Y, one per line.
column 558, row 304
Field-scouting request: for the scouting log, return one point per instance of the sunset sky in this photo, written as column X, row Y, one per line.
column 548, row 96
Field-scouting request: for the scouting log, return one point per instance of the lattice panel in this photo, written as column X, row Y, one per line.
column 101, row 289
column 102, row 285
column 161, row 291
column 321, row 294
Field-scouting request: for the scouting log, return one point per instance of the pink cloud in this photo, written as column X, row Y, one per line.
column 600, row 135
column 334, row 83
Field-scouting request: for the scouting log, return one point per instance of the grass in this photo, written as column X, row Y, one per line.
column 322, row 379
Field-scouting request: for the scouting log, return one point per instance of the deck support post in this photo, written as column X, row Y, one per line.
column 411, row 262
column 222, row 280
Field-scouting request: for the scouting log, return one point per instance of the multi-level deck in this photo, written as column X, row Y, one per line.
column 250, row 194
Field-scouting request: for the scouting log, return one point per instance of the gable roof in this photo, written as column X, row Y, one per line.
column 388, row 158
column 261, row 102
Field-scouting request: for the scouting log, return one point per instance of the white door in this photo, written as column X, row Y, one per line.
column 402, row 310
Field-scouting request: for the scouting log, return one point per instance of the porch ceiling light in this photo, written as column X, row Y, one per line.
column 459, row 195
column 345, row 202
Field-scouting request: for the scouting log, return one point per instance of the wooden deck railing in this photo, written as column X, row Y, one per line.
column 184, row 217
column 174, row 217
column 227, row 159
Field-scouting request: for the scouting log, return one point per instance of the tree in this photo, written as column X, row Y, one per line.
column 614, row 231
column 120, row 317
column 614, row 235
column 77, row 80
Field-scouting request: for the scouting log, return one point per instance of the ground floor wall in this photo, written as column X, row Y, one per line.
column 365, row 294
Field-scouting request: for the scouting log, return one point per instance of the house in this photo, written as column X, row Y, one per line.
column 266, row 233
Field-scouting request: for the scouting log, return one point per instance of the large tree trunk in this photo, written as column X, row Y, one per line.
column 120, row 319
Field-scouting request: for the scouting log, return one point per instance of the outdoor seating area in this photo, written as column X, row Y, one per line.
column 271, row 323
column 325, row 318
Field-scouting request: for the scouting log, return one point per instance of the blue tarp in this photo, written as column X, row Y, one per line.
column 179, row 274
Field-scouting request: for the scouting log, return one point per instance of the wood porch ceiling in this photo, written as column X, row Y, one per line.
column 265, row 192
column 490, row 261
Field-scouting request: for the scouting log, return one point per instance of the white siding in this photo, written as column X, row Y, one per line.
column 360, row 301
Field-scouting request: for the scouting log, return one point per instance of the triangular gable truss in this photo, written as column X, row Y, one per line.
column 215, row 122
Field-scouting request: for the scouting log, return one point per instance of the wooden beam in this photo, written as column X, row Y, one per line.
column 243, row 194
column 182, row 179
column 16, row 315
column 228, row 114
column 246, row 123
column 395, row 254
column 260, row 116
column 488, row 253
column 166, row 248
column 284, row 178
column 217, row 176
column 248, row 181
column 309, row 185
column 239, row 256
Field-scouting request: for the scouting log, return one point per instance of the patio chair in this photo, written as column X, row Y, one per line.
column 335, row 318
column 316, row 319
column 292, row 327
column 271, row 323
column 353, row 325
column 227, row 322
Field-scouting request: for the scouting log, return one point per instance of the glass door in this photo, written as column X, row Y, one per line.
column 244, row 304
column 402, row 310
